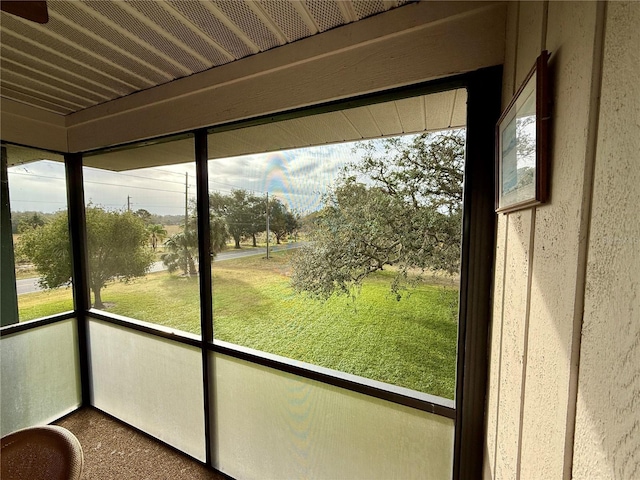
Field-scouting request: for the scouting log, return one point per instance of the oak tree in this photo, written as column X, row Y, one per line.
column 116, row 249
column 398, row 207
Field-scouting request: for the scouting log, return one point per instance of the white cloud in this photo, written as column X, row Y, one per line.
column 298, row 177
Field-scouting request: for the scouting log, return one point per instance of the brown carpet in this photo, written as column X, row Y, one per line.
column 114, row 450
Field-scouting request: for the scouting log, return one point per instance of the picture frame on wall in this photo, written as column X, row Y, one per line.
column 522, row 139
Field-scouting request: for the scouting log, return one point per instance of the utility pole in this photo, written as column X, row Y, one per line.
column 267, row 225
column 186, row 200
column 128, row 203
column 187, row 271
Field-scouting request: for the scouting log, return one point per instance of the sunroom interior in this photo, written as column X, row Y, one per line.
column 545, row 293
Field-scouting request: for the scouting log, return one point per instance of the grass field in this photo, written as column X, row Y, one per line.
column 409, row 343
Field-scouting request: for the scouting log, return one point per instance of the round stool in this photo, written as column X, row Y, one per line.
column 46, row 452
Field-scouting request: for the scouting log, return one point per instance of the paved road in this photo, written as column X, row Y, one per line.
column 29, row 285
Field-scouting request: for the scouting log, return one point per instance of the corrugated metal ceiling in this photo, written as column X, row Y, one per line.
column 93, row 51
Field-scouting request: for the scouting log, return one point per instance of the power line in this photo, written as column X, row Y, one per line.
column 229, row 185
column 29, row 174
column 239, row 187
column 176, row 173
column 36, row 201
column 120, row 174
column 156, row 169
column 129, row 186
column 100, row 183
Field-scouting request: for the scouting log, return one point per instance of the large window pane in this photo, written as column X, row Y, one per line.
column 142, row 234
column 355, row 267
column 39, row 225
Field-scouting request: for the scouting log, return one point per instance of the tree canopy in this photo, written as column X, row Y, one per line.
column 144, row 215
column 116, row 248
column 182, row 252
column 22, row 221
column 182, row 248
column 48, row 248
column 157, row 233
column 243, row 212
column 245, row 215
column 399, row 205
column 282, row 221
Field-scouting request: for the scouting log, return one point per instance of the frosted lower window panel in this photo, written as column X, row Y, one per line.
column 40, row 376
column 269, row 424
column 150, row 382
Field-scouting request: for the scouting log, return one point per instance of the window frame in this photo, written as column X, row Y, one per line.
column 483, row 108
column 10, row 295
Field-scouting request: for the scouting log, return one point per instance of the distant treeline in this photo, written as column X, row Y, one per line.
column 30, row 219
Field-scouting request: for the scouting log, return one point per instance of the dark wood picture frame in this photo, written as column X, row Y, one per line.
column 522, row 143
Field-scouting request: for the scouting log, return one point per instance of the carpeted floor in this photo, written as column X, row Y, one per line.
column 112, row 450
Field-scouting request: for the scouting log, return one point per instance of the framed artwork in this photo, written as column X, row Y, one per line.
column 522, row 139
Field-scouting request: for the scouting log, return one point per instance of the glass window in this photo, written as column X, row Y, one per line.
column 344, row 256
column 39, row 233
column 142, row 234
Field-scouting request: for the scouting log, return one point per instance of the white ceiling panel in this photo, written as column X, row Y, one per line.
column 165, row 153
column 439, row 109
column 75, row 79
column 17, row 155
column 363, row 122
column 300, row 129
column 321, row 129
column 364, row 8
column 459, row 114
column 332, row 127
column 412, row 114
column 326, row 13
column 247, row 18
column 286, row 18
column 50, row 81
column 386, row 118
column 224, row 144
column 20, row 81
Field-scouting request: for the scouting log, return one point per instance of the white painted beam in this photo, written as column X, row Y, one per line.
column 32, row 126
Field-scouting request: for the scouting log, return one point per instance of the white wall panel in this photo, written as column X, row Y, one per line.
column 40, row 375
column 532, row 381
column 149, row 382
column 607, row 439
column 275, row 425
column 516, row 280
column 560, row 234
column 495, row 346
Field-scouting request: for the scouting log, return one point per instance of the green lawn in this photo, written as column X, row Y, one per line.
column 43, row 304
column 410, row 343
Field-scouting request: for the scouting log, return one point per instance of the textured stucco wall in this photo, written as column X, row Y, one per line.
column 514, row 323
column 541, row 254
column 560, row 241
column 607, row 439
